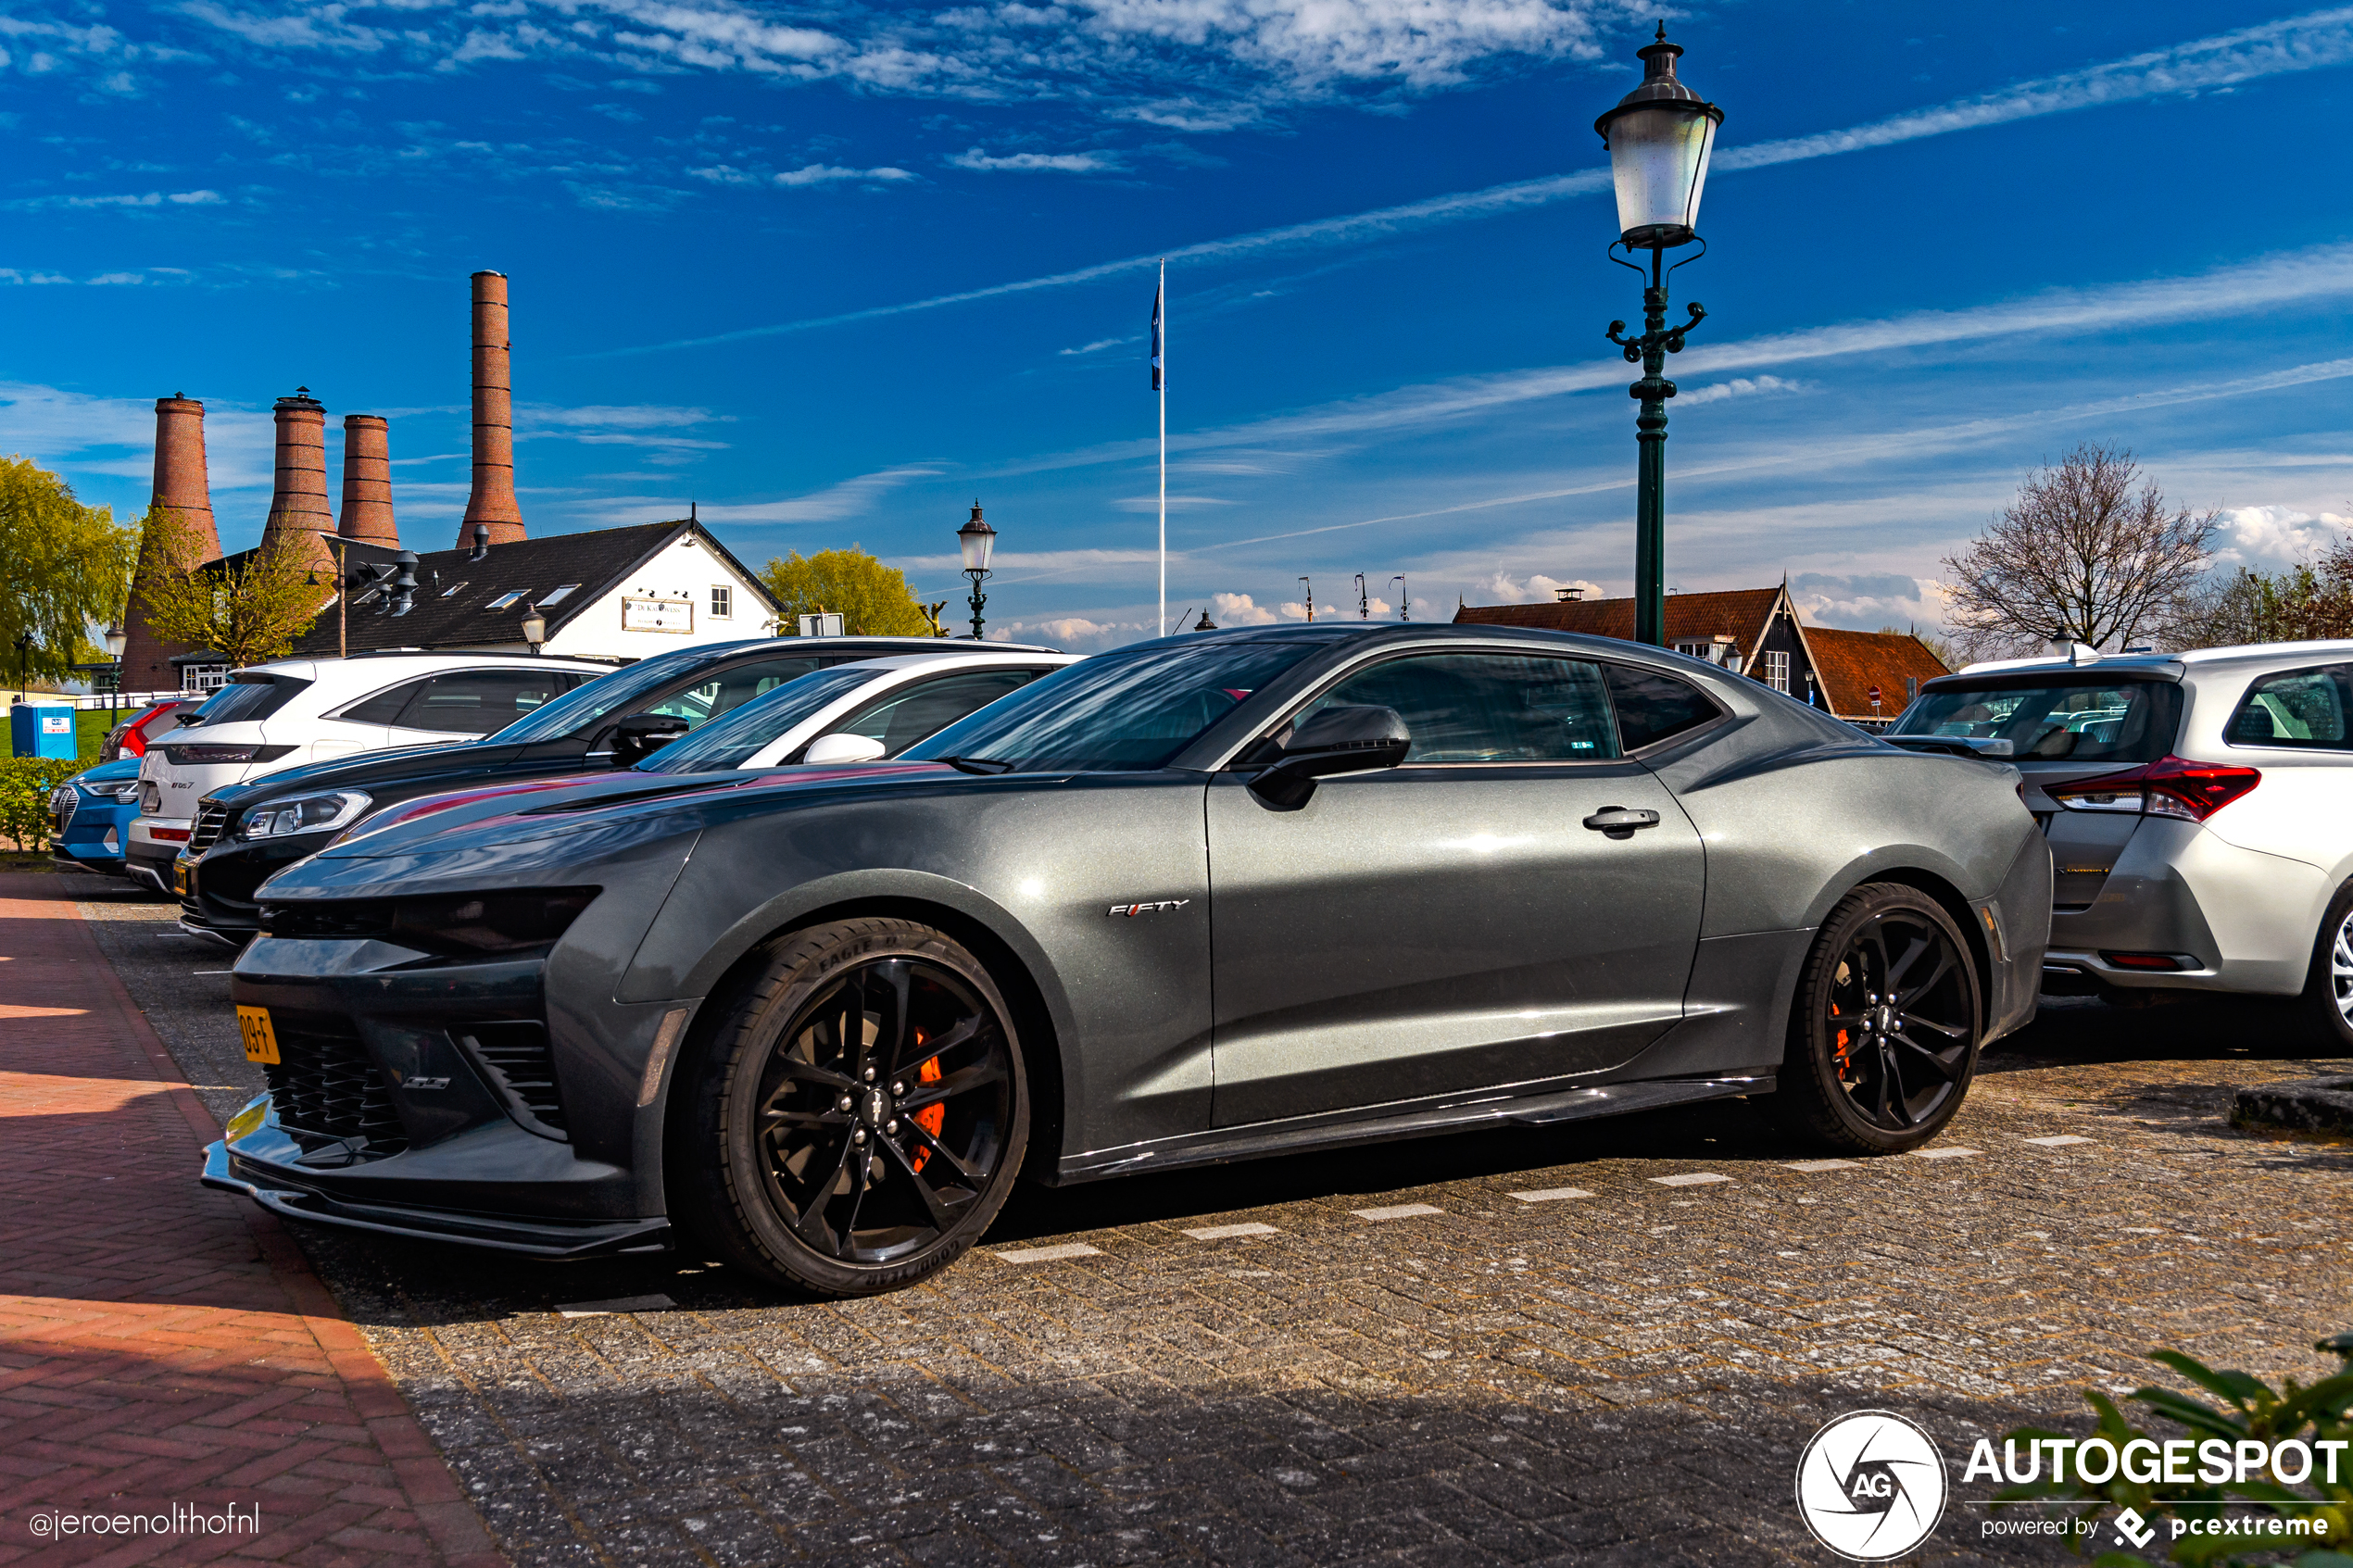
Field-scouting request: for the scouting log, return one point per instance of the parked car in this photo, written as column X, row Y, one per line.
column 2199, row 808
column 278, row 716
column 134, row 735
column 1195, row 900
column 244, row 833
column 90, row 816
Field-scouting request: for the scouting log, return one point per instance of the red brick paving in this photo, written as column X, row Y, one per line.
column 164, row 1344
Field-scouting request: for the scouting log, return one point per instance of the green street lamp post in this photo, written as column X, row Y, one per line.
column 1659, row 136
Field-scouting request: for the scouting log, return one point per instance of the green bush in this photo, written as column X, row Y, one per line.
column 2249, row 1409
column 25, row 783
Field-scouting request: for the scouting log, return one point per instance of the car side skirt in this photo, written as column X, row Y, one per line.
column 1338, row 1131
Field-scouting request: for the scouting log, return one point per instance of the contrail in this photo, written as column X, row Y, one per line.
column 2312, row 41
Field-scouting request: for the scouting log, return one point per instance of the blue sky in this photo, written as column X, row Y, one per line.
column 832, row 272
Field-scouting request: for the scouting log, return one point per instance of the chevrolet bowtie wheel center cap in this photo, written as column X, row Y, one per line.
column 1884, row 1020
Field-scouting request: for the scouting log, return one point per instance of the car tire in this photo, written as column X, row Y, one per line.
column 2328, row 990
column 1880, row 1058
column 810, row 1136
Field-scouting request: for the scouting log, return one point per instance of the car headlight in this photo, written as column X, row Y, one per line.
column 304, row 813
column 127, row 790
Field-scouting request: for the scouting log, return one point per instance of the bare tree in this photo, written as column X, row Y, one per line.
column 2080, row 556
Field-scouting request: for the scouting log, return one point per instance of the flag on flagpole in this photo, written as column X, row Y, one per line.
column 1156, row 295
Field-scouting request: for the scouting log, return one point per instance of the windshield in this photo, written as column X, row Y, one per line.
column 1116, row 712
column 2075, row 720
column 583, row 706
column 730, row 741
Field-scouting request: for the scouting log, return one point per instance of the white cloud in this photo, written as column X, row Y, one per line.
column 1074, row 633
column 846, row 499
column 1035, row 163
column 1503, row 589
column 1098, row 345
column 2271, row 538
column 1238, row 609
column 1739, row 386
column 828, row 174
column 135, row 199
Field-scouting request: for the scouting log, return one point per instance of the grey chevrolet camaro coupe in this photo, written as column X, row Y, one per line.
column 1199, row 899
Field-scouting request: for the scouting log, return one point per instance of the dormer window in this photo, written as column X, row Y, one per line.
column 508, row 600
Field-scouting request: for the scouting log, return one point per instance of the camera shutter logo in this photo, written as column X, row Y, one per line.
column 1871, row 1486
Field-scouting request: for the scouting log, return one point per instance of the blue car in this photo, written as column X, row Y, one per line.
column 91, row 816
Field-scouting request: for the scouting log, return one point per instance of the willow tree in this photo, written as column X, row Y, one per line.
column 66, row 568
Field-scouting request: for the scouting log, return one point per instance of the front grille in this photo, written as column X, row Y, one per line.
column 328, row 1092
column 210, row 820
column 523, row 1070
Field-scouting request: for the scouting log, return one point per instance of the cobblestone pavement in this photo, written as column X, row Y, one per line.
column 164, row 1350
column 1601, row 1343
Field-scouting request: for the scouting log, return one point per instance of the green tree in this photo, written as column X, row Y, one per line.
column 248, row 608
column 2311, row 601
column 873, row 600
column 67, row 567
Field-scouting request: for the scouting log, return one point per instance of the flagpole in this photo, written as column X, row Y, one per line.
column 1163, row 447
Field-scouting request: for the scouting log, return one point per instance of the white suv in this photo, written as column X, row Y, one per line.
column 2199, row 809
column 282, row 715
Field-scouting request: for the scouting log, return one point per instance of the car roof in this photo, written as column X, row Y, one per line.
column 392, row 667
column 980, row 659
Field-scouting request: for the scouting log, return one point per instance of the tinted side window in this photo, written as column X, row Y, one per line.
column 734, row 687
column 2304, row 708
column 475, row 702
column 1651, row 707
column 903, row 718
column 1487, row 707
column 385, row 706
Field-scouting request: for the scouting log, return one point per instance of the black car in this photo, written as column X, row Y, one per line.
column 245, row 832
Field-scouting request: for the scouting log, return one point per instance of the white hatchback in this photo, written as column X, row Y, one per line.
column 282, row 715
column 2199, row 809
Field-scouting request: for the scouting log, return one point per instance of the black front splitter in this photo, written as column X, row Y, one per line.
column 541, row 1239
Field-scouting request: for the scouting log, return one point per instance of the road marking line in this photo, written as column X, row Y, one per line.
column 1695, row 1178
column 1943, row 1153
column 2060, row 1142
column 1219, row 1233
column 1049, row 1254
column 1396, row 1211
column 618, row 1304
column 1551, row 1195
column 1810, row 1167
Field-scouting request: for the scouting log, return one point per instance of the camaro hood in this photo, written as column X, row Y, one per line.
column 536, row 809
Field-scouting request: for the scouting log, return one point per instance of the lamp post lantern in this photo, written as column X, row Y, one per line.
column 116, row 640
column 978, row 541
column 1659, row 136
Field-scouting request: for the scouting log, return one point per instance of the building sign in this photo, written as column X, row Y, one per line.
column 658, row 615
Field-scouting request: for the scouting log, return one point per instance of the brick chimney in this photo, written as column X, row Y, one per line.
column 493, row 502
column 367, row 481
column 182, row 492
column 298, row 509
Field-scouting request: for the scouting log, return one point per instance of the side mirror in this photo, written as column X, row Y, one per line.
column 839, row 748
column 641, row 734
column 1338, row 740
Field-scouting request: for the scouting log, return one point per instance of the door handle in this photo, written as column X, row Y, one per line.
column 1619, row 821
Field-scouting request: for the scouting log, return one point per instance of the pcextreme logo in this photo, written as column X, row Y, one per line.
column 1871, row 1486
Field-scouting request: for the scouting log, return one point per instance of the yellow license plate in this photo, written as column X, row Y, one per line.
column 261, row 1041
column 183, row 879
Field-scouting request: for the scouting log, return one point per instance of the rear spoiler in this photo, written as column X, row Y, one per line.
column 1953, row 745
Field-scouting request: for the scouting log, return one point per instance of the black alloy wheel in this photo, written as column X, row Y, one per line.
column 1884, row 1034
column 864, row 1111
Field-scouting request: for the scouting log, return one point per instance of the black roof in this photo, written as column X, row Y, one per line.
column 600, row 561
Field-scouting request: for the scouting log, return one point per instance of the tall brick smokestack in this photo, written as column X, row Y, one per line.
column 182, row 494
column 493, row 502
column 367, row 481
column 298, row 509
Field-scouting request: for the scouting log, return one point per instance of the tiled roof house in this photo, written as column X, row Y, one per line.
column 1755, row 631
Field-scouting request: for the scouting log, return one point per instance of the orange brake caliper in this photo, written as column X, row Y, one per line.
column 931, row 1118
column 1842, row 1046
